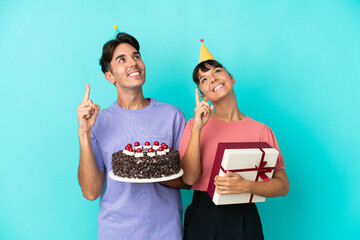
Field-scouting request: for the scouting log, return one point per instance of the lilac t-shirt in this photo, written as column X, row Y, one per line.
column 129, row 210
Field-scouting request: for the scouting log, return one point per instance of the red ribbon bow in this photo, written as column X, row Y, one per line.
column 262, row 170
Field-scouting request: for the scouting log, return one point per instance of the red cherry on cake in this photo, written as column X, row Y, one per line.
column 151, row 150
column 138, row 150
column 147, row 143
column 127, row 148
column 165, row 146
column 131, row 149
column 137, row 144
column 161, row 149
column 156, row 143
column 129, row 145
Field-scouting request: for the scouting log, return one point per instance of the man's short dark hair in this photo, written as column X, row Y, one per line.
column 204, row 67
column 109, row 48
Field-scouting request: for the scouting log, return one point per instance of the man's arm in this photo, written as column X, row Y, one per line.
column 176, row 183
column 90, row 178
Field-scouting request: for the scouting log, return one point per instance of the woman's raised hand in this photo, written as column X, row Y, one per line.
column 202, row 111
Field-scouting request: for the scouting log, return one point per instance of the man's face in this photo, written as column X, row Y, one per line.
column 127, row 67
column 216, row 83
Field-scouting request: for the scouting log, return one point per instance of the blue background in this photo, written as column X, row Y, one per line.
column 296, row 66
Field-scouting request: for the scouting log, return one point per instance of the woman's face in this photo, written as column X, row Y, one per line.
column 216, row 83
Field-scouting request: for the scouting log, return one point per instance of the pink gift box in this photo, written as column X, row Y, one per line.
column 254, row 161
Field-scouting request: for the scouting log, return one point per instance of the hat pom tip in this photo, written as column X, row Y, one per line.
column 201, row 40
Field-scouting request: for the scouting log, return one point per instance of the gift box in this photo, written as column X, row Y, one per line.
column 254, row 161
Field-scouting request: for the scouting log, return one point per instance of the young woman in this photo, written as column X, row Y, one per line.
column 222, row 122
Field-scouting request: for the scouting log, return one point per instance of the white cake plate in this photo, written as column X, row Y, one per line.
column 145, row 180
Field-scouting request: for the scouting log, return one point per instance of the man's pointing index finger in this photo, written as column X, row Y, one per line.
column 87, row 93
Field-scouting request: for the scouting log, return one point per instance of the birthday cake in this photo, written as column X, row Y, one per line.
column 146, row 162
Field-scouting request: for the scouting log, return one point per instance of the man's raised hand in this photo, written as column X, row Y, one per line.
column 202, row 111
column 87, row 112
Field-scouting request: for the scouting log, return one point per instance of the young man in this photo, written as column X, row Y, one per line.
column 127, row 210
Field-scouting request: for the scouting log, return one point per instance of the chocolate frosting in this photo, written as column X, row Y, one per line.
column 146, row 167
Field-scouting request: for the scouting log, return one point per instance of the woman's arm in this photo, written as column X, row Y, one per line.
column 191, row 163
column 234, row 183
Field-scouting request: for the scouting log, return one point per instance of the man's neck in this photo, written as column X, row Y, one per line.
column 131, row 99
